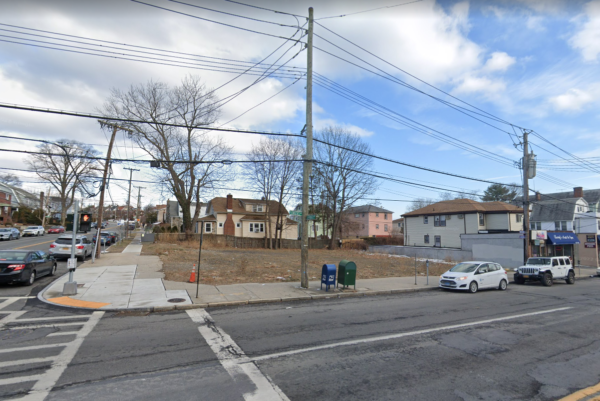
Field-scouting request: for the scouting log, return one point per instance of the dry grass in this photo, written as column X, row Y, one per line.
column 118, row 247
column 223, row 265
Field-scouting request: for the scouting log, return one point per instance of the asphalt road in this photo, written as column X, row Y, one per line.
column 41, row 243
column 528, row 343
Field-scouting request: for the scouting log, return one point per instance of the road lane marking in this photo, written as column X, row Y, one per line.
column 10, row 318
column 399, row 335
column 235, row 362
column 7, row 302
column 31, row 348
column 29, row 246
column 19, row 379
column 62, row 333
column 26, row 361
column 583, row 394
column 47, row 380
column 43, row 319
column 41, row 326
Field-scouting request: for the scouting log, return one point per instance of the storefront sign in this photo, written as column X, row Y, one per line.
column 536, row 242
column 590, row 244
column 558, row 248
column 539, row 234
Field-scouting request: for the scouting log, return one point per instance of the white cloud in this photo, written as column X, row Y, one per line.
column 499, row 61
column 319, row 124
column 573, row 100
column 587, row 39
column 535, row 23
column 472, row 84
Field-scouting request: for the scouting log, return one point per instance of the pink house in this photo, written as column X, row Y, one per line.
column 367, row 221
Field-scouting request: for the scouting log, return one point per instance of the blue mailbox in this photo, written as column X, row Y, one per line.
column 328, row 276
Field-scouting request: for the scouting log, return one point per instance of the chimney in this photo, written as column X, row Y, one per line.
column 229, row 226
column 538, row 196
column 578, row 192
column 229, row 202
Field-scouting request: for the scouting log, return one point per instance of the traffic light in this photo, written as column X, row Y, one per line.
column 85, row 219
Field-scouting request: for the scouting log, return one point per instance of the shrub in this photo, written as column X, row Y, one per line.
column 356, row 245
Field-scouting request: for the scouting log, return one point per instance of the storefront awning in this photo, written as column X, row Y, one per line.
column 563, row 238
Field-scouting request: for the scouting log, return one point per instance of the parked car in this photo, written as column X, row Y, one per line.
column 131, row 226
column 115, row 236
column 105, row 238
column 25, row 266
column 94, row 225
column 473, row 276
column 61, row 247
column 104, row 224
column 9, row 233
column 33, row 231
column 546, row 270
column 56, row 230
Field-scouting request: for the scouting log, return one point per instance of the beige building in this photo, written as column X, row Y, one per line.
column 246, row 218
column 441, row 224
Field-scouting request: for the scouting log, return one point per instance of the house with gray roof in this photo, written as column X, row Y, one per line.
column 367, row 221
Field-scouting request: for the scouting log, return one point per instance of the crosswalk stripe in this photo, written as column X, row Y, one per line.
column 26, row 361
column 19, row 379
column 31, row 348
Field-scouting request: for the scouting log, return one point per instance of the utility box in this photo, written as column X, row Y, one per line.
column 347, row 273
column 328, row 276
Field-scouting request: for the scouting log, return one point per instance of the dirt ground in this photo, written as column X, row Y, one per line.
column 232, row 265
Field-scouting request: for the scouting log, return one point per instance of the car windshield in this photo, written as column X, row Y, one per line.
column 4, row 230
column 55, row 227
column 538, row 261
column 12, row 255
column 32, row 228
column 465, row 268
column 66, row 241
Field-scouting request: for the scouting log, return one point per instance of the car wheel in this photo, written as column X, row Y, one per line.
column 503, row 285
column 53, row 271
column 473, row 287
column 31, row 278
column 571, row 278
column 547, row 280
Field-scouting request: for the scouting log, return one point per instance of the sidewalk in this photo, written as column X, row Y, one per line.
column 130, row 281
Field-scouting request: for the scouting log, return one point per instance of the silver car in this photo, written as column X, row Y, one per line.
column 33, row 231
column 9, row 233
column 61, row 247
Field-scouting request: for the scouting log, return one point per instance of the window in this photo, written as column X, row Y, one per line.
column 238, row 225
column 376, row 214
column 399, row 225
column 561, row 261
column 257, row 208
column 519, row 218
column 208, row 227
column 385, row 228
column 257, row 227
column 439, row 221
column 220, row 225
column 377, row 226
column 363, row 215
column 364, row 226
column 425, row 220
column 560, row 225
column 357, row 215
column 385, row 216
column 481, row 219
column 426, row 239
column 535, row 225
column 438, row 241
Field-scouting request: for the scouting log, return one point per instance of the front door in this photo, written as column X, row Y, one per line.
column 483, row 275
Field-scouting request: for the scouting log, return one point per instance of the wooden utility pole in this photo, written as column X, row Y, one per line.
column 131, row 170
column 526, row 195
column 115, row 128
column 309, row 152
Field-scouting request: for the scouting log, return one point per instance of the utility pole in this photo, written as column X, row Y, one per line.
column 309, row 152
column 115, row 128
column 139, row 203
column 131, row 170
column 525, row 166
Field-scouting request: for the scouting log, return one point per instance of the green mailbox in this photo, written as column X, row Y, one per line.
column 347, row 273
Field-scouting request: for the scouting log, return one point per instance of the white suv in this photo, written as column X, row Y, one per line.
column 546, row 269
column 34, row 231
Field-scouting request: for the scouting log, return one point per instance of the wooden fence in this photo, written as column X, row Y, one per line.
column 238, row 242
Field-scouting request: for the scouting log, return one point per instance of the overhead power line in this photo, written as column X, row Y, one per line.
column 367, row 11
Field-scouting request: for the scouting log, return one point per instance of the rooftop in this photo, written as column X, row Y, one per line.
column 464, row 206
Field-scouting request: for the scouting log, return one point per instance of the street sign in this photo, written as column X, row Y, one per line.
column 521, row 232
column 295, row 213
column 72, row 263
column 311, row 217
column 521, row 236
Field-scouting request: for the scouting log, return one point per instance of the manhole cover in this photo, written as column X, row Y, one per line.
column 176, row 300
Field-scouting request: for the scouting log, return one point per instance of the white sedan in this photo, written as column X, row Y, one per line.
column 473, row 276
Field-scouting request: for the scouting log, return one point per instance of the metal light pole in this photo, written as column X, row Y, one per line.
column 525, row 195
column 131, row 170
column 309, row 153
column 70, row 287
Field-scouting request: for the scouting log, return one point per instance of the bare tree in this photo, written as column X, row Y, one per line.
column 11, row 179
column 341, row 171
column 190, row 159
column 272, row 173
column 419, row 203
column 66, row 165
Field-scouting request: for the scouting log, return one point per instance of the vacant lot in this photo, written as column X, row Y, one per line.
column 233, row 265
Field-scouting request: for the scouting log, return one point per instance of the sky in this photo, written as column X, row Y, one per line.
column 434, row 79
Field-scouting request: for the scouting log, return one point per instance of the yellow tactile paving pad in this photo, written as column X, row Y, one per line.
column 68, row 301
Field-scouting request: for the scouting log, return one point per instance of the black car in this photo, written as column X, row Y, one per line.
column 25, row 266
